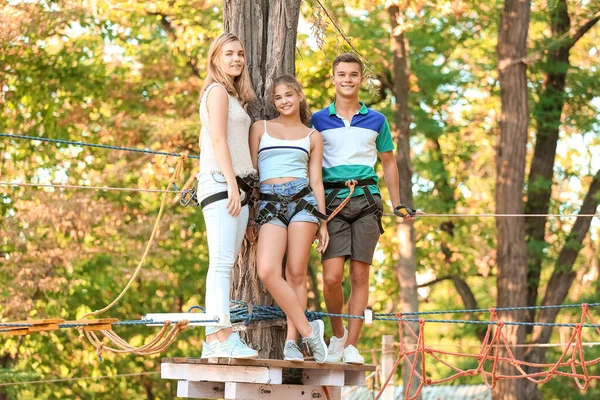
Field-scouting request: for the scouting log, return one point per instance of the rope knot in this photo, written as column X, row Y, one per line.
column 100, row 350
column 351, row 184
column 182, row 325
column 584, row 307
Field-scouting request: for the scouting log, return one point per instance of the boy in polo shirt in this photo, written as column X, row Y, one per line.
column 353, row 137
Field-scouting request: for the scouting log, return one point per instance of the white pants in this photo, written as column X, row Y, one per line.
column 225, row 235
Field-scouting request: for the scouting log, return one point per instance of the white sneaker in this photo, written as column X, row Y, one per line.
column 233, row 347
column 352, row 356
column 336, row 347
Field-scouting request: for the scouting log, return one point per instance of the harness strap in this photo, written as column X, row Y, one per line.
column 270, row 211
column 342, row 185
column 305, row 205
column 247, row 184
column 285, row 199
column 336, row 187
column 367, row 211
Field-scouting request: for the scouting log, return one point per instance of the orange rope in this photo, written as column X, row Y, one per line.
column 572, row 358
column 350, row 185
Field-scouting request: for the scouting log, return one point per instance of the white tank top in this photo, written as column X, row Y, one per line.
column 278, row 158
column 238, row 128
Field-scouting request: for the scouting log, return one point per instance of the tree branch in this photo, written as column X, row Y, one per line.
column 583, row 29
column 441, row 279
column 436, row 280
column 563, row 274
column 166, row 24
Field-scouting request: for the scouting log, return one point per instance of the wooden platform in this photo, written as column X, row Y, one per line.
column 224, row 378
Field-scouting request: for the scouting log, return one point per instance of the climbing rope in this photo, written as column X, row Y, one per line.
column 351, row 184
column 95, row 145
column 492, row 350
column 168, row 333
column 57, row 186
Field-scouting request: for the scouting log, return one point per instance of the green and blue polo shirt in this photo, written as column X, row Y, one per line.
column 351, row 147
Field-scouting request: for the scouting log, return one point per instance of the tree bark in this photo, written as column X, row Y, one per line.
column 511, row 252
column 547, row 114
column 407, row 261
column 268, row 30
column 561, row 280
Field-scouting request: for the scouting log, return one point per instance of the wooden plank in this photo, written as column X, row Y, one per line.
column 99, row 327
column 221, row 373
column 16, row 332
column 43, row 328
column 355, row 378
column 249, row 391
column 37, row 325
column 338, row 366
column 200, row 390
column 44, row 321
column 319, row 377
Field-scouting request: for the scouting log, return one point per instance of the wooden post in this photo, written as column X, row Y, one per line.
column 387, row 363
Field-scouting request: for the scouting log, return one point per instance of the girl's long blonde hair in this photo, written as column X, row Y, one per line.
column 240, row 86
column 292, row 83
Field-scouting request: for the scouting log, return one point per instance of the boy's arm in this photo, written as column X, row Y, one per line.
column 390, row 173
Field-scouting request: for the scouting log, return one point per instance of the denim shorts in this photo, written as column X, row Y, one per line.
column 289, row 189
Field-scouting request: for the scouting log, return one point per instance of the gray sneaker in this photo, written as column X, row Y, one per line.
column 291, row 352
column 233, row 347
column 316, row 342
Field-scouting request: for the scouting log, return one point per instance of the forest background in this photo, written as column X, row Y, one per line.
column 128, row 74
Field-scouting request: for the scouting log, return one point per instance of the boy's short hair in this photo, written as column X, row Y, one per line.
column 348, row 58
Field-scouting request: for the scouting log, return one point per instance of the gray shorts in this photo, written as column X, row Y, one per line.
column 289, row 189
column 358, row 240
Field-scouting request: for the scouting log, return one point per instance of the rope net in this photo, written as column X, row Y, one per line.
column 495, row 350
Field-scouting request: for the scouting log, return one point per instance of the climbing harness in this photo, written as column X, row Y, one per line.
column 248, row 184
column 372, row 203
column 270, row 210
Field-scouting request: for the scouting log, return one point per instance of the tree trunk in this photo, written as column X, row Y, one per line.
column 407, row 261
column 268, row 30
column 547, row 114
column 561, row 280
column 514, row 121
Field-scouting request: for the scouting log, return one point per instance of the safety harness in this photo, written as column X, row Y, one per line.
column 248, row 184
column 270, row 210
column 364, row 184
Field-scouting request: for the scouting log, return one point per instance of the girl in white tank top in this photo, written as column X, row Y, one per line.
column 288, row 156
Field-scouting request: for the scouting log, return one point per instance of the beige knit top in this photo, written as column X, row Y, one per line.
column 238, row 128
